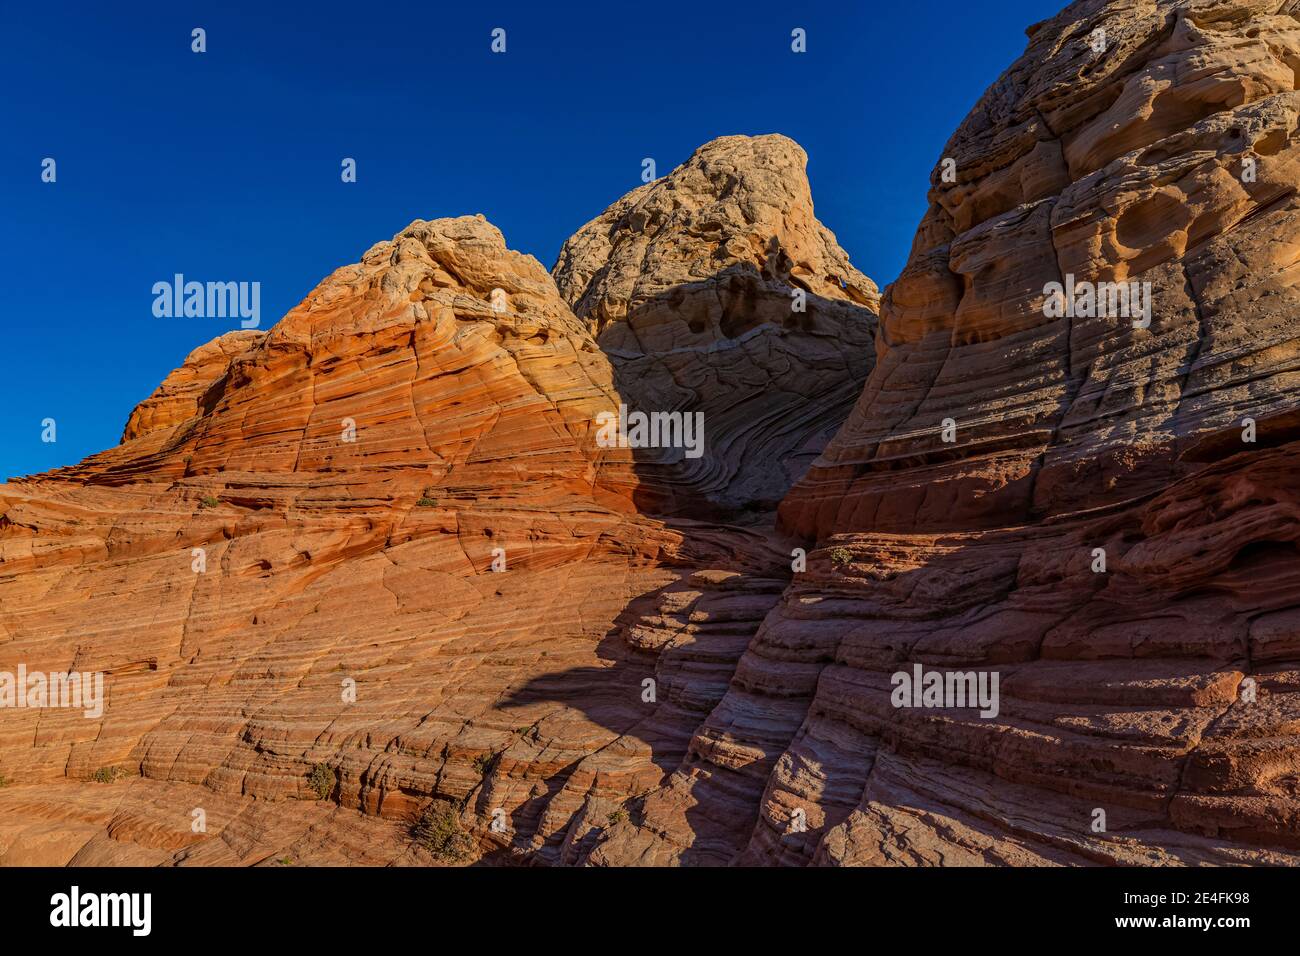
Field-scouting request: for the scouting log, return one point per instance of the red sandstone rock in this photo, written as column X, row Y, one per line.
column 292, row 561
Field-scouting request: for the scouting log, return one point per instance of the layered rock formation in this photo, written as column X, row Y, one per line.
column 382, row 543
column 394, row 495
column 1102, row 512
column 376, row 558
column 716, row 290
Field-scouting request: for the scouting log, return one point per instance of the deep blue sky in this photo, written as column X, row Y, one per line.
column 225, row 165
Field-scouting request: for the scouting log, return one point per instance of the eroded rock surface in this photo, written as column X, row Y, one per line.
column 318, row 506
column 637, row 689
column 379, row 542
column 1159, row 691
column 715, row 289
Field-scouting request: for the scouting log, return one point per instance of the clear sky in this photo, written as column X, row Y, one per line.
column 225, row 165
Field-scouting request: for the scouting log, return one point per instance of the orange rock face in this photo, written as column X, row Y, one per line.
column 376, row 556
column 342, row 542
column 373, row 576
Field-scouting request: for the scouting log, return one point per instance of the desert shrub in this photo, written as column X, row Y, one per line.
column 438, row 830
column 617, row 817
column 209, row 501
column 109, row 774
column 481, row 764
column 4, row 781
column 841, row 557
column 322, row 780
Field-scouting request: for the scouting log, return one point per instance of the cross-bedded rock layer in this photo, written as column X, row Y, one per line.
column 380, row 542
column 1134, row 141
column 1158, row 690
column 317, row 505
column 716, row 290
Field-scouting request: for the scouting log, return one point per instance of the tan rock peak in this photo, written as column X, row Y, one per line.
column 459, row 262
column 1133, row 142
column 738, row 200
column 715, row 291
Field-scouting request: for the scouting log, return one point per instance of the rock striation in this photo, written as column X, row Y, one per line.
column 374, row 557
column 716, row 290
column 1100, row 510
column 338, row 543
column 376, row 560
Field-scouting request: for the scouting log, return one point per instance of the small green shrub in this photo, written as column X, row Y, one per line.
column 438, row 830
column 841, row 557
column 617, row 817
column 209, row 501
column 4, row 781
column 481, row 764
column 427, row 503
column 322, row 780
column 109, row 774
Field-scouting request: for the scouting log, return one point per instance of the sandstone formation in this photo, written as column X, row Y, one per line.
column 375, row 561
column 345, row 478
column 716, row 290
column 379, row 543
column 1134, row 141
